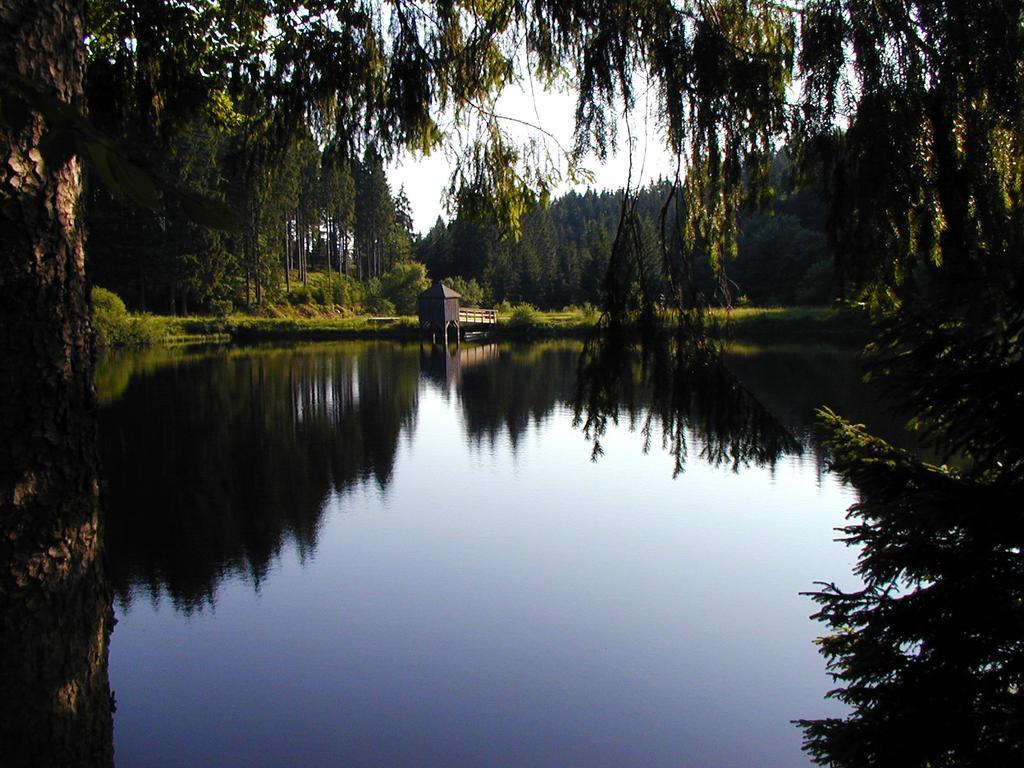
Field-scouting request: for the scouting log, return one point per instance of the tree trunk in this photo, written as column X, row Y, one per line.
column 257, row 223
column 287, row 257
column 328, row 246
column 344, row 253
column 307, row 250
column 248, row 271
column 300, row 236
column 55, row 602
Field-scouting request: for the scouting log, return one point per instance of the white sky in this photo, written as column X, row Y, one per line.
column 426, row 178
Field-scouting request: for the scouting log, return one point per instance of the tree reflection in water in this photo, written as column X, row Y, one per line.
column 216, row 461
column 679, row 391
column 212, row 464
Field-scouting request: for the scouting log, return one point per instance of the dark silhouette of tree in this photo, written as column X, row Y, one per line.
column 55, row 610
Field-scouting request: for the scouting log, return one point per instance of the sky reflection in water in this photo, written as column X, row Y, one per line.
column 347, row 555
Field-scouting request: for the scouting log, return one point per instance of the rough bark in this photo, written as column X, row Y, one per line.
column 55, row 704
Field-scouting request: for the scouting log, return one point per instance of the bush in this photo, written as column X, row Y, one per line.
column 378, row 305
column 526, row 317
column 109, row 318
column 403, row 284
column 472, row 292
column 107, row 303
column 816, row 286
column 586, row 310
column 347, row 291
column 300, row 294
column 144, row 330
column 319, row 294
column 221, row 307
column 114, row 327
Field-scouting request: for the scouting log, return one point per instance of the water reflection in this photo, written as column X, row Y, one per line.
column 793, row 382
column 443, row 365
column 680, row 391
column 215, row 460
column 522, row 384
column 442, row 576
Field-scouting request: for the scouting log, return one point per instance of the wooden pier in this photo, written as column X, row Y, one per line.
column 475, row 316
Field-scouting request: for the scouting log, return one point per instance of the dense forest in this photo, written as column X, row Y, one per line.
column 563, row 254
column 306, row 209
column 305, row 196
column 310, row 195
column 310, row 208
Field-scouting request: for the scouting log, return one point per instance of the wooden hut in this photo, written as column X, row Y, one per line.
column 439, row 308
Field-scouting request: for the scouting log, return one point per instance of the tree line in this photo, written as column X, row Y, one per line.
column 307, row 194
column 565, row 249
column 304, row 208
column 310, row 192
column 310, row 208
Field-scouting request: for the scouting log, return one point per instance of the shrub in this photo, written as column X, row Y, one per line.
column 319, row 294
column 107, row 303
column 347, row 291
column 378, row 305
column 402, row 284
column 526, row 317
column 221, row 307
column 144, row 330
column 299, row 294
column 472, row 292
column 815, row 288
column 109, row 317
column 587, row 311
column 114, row 327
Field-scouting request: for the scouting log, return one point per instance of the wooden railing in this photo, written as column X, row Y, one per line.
column 474, row 315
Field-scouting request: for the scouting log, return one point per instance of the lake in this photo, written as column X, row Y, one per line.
column 373, row 554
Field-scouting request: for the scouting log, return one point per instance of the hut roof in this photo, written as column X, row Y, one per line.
column 440, row 291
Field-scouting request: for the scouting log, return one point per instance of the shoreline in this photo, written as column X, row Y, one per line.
column 822, row 325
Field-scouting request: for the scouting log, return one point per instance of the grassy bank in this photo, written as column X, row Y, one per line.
column 127, row 330
column 245, row 328
column 788, row 325
column 797, row 325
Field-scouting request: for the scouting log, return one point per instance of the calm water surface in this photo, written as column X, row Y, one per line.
column 361, row 554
